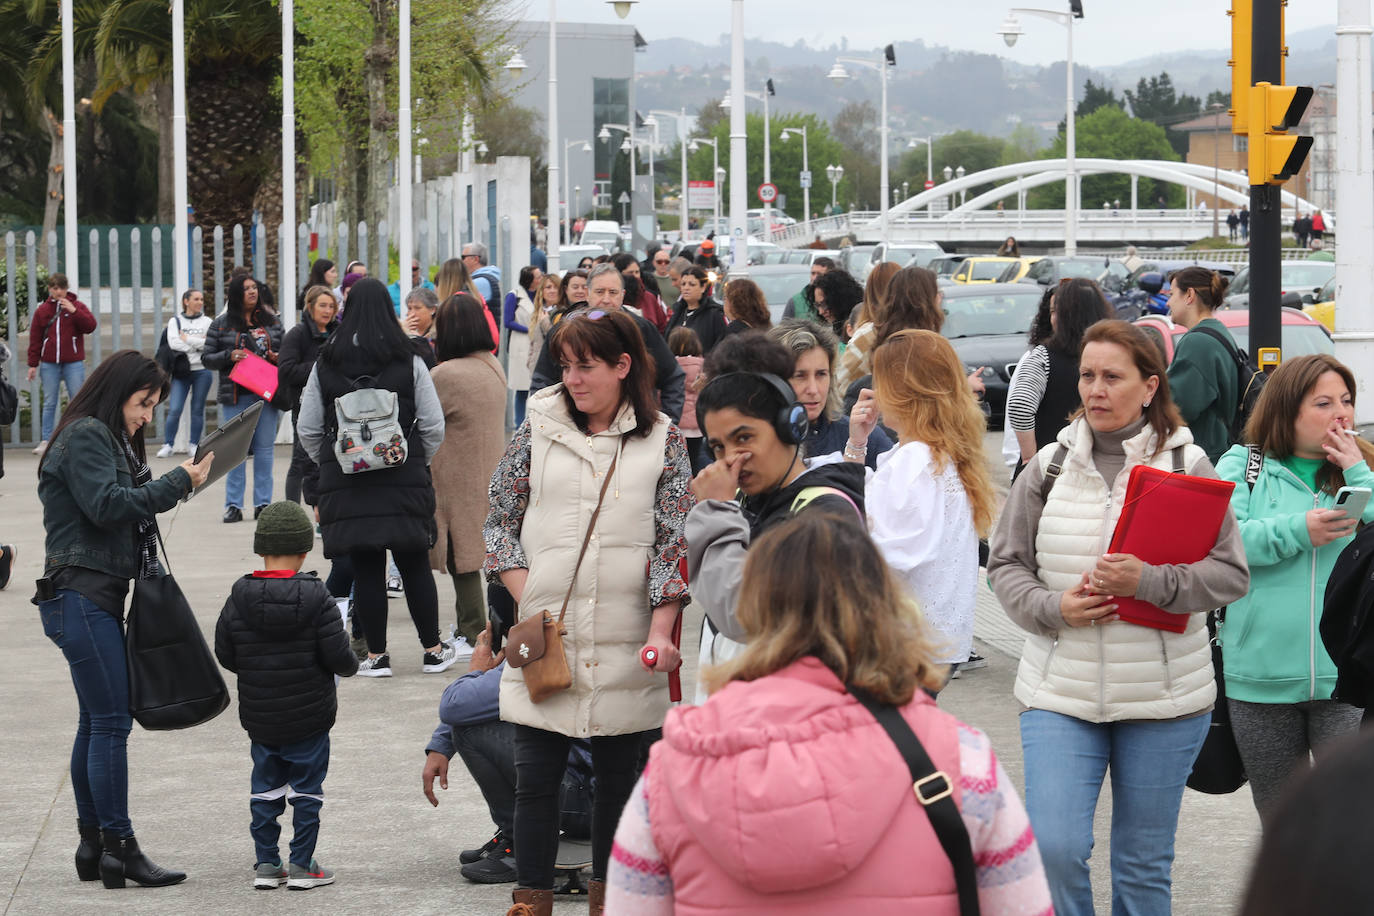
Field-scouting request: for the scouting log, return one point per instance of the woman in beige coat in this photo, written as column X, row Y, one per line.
column 599, row 431
column 472, row 391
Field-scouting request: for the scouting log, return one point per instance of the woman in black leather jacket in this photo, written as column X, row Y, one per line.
column 247, row 326
column 100, row 504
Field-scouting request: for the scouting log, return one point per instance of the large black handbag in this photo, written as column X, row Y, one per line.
column 174, row 680
column 1218, row 769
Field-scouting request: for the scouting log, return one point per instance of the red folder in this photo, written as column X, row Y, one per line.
column 256, row 374
column 1167, row 518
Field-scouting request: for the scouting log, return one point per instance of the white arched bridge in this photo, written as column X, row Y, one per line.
column 946, row 214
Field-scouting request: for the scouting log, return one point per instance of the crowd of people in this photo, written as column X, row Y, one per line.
column 817, row 484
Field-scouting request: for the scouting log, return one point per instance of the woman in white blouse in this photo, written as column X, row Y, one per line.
column 930, row 499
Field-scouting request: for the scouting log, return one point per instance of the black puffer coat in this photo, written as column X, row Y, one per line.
column 284, row 639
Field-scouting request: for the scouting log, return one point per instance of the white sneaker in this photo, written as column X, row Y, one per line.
column 379, row 666
column 41, row 447
column 165, row 451
column 394, row 587
column 462, row 651
column 190, row 449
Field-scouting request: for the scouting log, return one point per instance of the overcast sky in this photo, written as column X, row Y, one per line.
column 1113, row 31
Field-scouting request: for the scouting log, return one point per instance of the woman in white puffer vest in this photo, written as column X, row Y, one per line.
column 1100, row 692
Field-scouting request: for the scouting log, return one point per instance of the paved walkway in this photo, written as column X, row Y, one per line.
column 188, row 792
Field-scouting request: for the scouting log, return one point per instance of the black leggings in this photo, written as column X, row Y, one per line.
column 369, row 595
column 541, row 757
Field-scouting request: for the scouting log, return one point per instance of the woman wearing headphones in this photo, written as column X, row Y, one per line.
column 754, row 430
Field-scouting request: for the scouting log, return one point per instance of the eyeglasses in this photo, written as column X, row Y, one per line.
column 660, row 260
column 590, row 315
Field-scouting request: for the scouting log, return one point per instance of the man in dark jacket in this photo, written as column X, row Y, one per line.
column 608, row 292
column 281, row 633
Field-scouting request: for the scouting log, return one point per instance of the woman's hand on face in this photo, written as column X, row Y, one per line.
column 1341, row 449
column 199, row 472
column 1082, row 607
column 719, row 479
column 1327, row 525
column 1116, row 574
column 863, row 418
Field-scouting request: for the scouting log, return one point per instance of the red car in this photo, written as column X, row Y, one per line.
column 1302, row 334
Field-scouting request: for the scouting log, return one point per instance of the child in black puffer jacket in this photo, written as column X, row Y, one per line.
column 282, row 634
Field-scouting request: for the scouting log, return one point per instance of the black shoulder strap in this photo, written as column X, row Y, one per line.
column 1053, row 471
column 1230, row 345
column 1254, row 460
column 934, row 791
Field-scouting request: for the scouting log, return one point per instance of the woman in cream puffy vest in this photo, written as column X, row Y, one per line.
column 1101, row 693
column 626, row 592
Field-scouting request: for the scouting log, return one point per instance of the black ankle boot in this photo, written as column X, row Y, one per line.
column 88, row 852
column 123, row 860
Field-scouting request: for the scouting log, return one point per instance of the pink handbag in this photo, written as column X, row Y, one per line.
column 257, row 375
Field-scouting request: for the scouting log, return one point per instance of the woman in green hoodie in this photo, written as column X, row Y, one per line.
column 1279, row 677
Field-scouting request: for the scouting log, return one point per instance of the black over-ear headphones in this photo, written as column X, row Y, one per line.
column 790, row 422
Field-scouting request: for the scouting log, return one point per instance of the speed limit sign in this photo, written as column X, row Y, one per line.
column 768, row 192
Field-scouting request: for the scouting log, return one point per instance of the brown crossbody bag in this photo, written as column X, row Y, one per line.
column 535, row 644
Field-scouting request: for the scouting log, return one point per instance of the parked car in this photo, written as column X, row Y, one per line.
column 1108, row 273
column 945, row 265
column 603, row 232
column 984, row 269
column 1324, row 309
column 779, row 283
column 1300, row 282
column 904, row 253
column 858, row 260
column 569, row 255
column 1302, row 334
column 988, row 325
column 808, row 255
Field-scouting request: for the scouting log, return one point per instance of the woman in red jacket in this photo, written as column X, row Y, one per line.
column 57, row 352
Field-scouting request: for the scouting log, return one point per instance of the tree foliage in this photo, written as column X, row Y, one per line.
column 1155, row 99
column 1110, row 133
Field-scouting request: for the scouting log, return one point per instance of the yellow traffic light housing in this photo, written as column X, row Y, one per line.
column 1275, row 155
column 1240, row 13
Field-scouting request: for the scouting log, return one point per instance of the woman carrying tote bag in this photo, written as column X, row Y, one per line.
column 99, row 517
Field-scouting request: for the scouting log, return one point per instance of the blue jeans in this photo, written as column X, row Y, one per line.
column 49, row 374
column 92, row 641
column 520, row 398
column 263, row 438
column 288, row 772
column 1066, row 760
column 198, row 384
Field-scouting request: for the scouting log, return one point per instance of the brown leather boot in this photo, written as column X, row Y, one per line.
column 529, row 902
column 596, row 897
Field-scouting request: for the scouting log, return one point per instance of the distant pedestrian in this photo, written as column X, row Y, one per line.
column 57, row 347
column 1244, row 217
column 416, row 280
column 245, row 327
column 281, row 633
column 518, row 315
column 299, row 350
column 323, row 272
column 1232, row 224
column 746, row 309
column 186, row 334
column 1318, row 224
column 1203, row 377
column 686, row 347
column 1009, row 248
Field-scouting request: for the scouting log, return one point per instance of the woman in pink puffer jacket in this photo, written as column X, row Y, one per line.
column 784, row 794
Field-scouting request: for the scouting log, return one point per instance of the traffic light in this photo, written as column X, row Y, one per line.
column 1240, row 65
column 1275, row 155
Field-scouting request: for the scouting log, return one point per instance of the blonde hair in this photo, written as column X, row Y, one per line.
column 539, row 303
column 924, row 395
column 841, row 604
column 453, row 277
column 800, row 337
column 875, row 294
column 312, row 296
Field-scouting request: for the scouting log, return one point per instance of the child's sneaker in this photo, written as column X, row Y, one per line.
column 444, row 659
column 302, row 878
column 379, row 666
column 269, row 877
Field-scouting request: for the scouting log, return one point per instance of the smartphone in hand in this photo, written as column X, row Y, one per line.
column 1352, row 501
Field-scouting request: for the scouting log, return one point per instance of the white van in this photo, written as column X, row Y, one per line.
column 603, row 232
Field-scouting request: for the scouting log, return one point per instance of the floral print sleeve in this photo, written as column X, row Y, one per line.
column 508, row 495
column 667, row 566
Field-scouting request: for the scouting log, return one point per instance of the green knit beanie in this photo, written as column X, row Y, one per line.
column 283, row 530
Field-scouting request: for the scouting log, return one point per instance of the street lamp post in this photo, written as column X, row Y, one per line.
column 882, row 64
column 1216, row 108
column 834, row 173
column 739, row 166
column 1011, row 30
column 567, row 174
column 682, row 148
column 767, row 149
column 963, row 195
column 806, row 168
column 693, row 146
